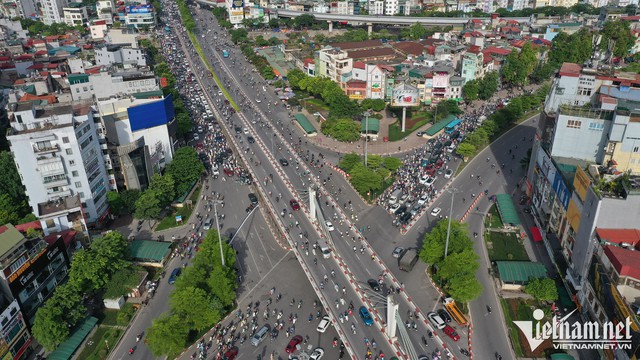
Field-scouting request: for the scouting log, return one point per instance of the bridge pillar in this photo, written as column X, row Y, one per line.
column 369, row 28
column 330, row 25
column 404, row 118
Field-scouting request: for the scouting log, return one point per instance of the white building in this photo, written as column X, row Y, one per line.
column 106, row 85
column 374, row 76
column 52, row 11
column 120, row 54
column 75, row 14
column 376, row 7
column 140, row 16
column 140, row 136
column 105, row 10
column 58, row 156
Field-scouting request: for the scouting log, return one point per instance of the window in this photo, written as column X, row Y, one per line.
column 65, row 139
column 50, row 224
column 78, row 184
column 636, row 149
column 596, row 126
column 574, row 124
column 69, row 152
column 74, row 173
column 72, row 162
column 584, row 91
column 81, row 195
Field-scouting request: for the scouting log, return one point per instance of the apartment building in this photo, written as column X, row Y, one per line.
column 105, row 9
column 75, row 14
column 140, row 16
column 30, row 269
column 16, row 342
column 334, row 63
column 472, row 64
column 52, row 11
column 59, row 159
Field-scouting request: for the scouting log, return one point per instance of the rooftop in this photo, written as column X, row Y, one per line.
column 9, row 238
column 60, row 205
column 378, row 52
column 620, row 236
column 625, row 261
column 358, row 45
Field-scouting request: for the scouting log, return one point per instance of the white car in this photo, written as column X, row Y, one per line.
column 448, row 174
column 245, row 131
column 196, row 137
column 324, row 324
column 423, row 179
column 329, row 225
column 219, row 93
column 430, row 181
column 423, row 199
column 317, row 354
column 258, row 101
column 436, row 211
column 394, row 207
column 436, row 320
column 398, row 251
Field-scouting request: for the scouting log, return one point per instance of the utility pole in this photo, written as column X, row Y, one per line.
column 366, row 136
column 453, row 192
column 215, row 213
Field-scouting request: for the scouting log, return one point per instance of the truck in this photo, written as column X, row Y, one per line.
column 408, row 260
column 225, row 53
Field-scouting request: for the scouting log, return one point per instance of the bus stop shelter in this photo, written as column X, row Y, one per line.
column 305, row 124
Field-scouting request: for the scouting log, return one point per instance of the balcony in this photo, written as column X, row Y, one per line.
column 38, row 149
column 59, row 180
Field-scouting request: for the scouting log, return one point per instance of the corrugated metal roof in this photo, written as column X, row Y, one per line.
column 305, row 123
column 507, row 209
column 520, row 272
column 144, row 250
column 66, row 350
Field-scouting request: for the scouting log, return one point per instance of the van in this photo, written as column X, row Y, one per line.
column 324, row 249
column 260, row 335
column 174, row 275
column 393, row 198
column 408, row 260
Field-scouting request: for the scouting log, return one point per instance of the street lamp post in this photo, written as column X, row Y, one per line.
column 453, row 192
column 215, row 213
column 366, row 137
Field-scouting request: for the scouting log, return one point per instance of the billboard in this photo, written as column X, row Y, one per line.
column 405, row 95
column 151, row 114
column 237, row 4
column 581, row 183
column 139, row 9
column 561, row 190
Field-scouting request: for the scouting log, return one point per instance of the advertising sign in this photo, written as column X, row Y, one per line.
column 405, row 95
column 559, row 187
column 581, row 183
column 139, row 9
column 237, row 4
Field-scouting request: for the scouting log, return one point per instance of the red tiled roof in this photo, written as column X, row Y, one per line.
column 497, row 51
column 570, row 69
column 309, row 61
column 41, row 52
column 630, row 18
column 625, row 261
column 356, row 84
column 30, row 225
column 476, row 21
column 52, row 38
column 474, row 49
column 4, row 58
column 359, row 65
column 477, row 34
column 37, row 66
column 38, row 42
column 93, row 70
column 7, row 65
column 410, row 47
column 50, row 98
column 52, row 66
column 362, row 54
column 24, row 57
column 87, row 46
column 358, row 45
column 618, row 236
column 67, row 237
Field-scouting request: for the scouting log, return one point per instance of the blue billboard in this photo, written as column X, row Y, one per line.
column 139, row 9
column 151, row 114
column 561, row 190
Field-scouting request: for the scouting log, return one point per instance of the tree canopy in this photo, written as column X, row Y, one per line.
column 518, row 66
column 345, row 130
column 186, row 168
column 542, row 289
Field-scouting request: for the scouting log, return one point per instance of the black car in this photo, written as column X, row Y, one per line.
column 444, row 315
column 374, row 284
column 405, row 218
column 284, row 162
column 253, row 198
column 400, row 210
column 238, row 130
column 250, row 139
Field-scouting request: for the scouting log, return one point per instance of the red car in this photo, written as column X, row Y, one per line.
column 439, row 164
column 291, row 347
column 231, row 354
column 294, row 204
column 228, row 172
column 451, row 333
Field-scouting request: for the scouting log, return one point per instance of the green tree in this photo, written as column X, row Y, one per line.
column 364, row 179
column 10, row 182
column 195, row 307
column 488, row 85
column 238, row 35
column 458, row 271
column 414, row 32
column 345, row 130
column 115, row 202
column 466, row 150
column 129, row 198
column 303, row 21
column 619, row 32
column 544, row 289
column 223, row 285
column 33, row 233
column 185, row 124
column 167, row 335
column 274, row 23
column 434, row 241
column 349, row 161
column 121, row 282
column 392, row 164
column 378, row 105
column 91, row 268
column 148, row 206
column 366, row 104
column 470, row 90
column 165, row 187
column 464, row 288
column 9, row 211
column 60, row 313
column 186, row 167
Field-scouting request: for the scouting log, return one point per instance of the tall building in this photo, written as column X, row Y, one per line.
column 335, row 64
column 52, row 11
column 584, row 177
column 57, row 152
column 30, row 269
